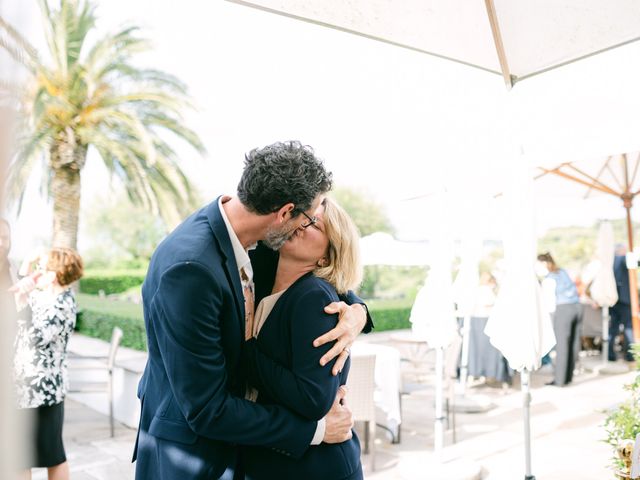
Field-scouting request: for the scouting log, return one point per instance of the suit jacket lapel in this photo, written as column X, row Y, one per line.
column 221, row 235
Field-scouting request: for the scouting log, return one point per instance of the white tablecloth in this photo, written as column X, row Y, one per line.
column 388, row 383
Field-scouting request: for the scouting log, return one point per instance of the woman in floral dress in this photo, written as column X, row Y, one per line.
column 40, row 368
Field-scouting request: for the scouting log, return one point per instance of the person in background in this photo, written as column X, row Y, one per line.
column 621, row 311
column 40, row 369
column 562, row 300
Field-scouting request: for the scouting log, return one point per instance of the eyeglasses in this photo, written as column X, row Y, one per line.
column 312, row 221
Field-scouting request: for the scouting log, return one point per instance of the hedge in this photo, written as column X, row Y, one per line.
column 100, row 325
column 111, row 281
column 97, row 317
column 390, row 318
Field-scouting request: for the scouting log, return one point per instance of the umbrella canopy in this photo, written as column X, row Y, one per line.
column 603, row 287
column 518, row 325
column 465, row 286
column 513, row 39
column 433, row 314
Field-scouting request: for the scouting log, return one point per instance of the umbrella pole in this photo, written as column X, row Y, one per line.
column 526, row 402
column 605, row 334
column 439, row 420
column 464, row 358
column 633, row 272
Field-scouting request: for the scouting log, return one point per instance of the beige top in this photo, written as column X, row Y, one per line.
column 263, row 311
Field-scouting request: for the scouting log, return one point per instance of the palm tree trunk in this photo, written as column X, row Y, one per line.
column 66, row 160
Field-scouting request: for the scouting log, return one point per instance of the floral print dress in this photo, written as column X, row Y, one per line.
column 40, row 368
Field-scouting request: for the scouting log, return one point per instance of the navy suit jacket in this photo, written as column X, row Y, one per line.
column 192, row 411
column 621, row 273
column 285, row 368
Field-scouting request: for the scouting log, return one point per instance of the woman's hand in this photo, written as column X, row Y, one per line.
column 30, row 262
column 351, row 321
column 22, row 288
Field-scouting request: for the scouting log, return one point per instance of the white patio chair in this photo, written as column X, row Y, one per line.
column 361, row 384
column 100, row 363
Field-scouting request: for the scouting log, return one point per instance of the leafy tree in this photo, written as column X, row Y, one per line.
column 574, row 247
column 367, row 213
column 121, row 235
column 89, row 95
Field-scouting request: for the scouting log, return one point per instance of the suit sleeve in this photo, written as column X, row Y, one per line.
column 351, row 298
column 187, row 320
column 308, row 388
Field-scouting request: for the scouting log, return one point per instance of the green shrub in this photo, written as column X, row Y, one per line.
column 97, row 317
column 100, row 325
column 390, row 318
column 623, row 421
column 110, row 281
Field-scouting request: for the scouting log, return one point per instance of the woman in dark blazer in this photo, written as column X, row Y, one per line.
column 320, row 261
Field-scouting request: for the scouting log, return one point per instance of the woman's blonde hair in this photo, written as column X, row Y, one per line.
column 343, row 269
column 67, row 264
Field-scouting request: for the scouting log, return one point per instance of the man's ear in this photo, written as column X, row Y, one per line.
column 284, row 212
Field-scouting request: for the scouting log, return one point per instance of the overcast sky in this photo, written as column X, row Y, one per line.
column 398, row 123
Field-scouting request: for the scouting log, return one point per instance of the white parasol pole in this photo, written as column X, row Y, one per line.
column 464, row 360
column 604, row 291
column 439, row 417
column 526, row 406
column 606, row 318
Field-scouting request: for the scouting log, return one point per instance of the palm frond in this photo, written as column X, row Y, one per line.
column 14, row 52
column 98, row 95
column 18, row 46
column 22, row 165
column 113, row 48
column 79, row 20
column 177, row 128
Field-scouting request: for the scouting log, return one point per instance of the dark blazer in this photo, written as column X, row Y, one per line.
column 192, row 411
column 284, row 367
column 621, row 273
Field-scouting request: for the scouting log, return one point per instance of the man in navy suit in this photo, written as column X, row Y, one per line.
column 621, row 311
column 193, row 411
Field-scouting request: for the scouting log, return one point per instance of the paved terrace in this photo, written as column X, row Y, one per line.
column 566, row 426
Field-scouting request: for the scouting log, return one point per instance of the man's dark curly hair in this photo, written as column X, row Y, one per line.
column 285, row 172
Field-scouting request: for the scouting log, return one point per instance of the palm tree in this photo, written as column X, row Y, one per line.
column 90, row 95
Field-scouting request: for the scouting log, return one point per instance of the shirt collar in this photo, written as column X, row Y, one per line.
column 239, row 252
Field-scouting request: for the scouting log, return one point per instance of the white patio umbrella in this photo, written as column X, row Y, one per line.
column 603, row 287
column 519, row 326
column 513, row 39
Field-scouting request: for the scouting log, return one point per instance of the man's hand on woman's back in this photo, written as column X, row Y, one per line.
column 339, row 420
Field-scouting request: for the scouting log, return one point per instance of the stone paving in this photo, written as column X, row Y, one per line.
column 566, row 425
